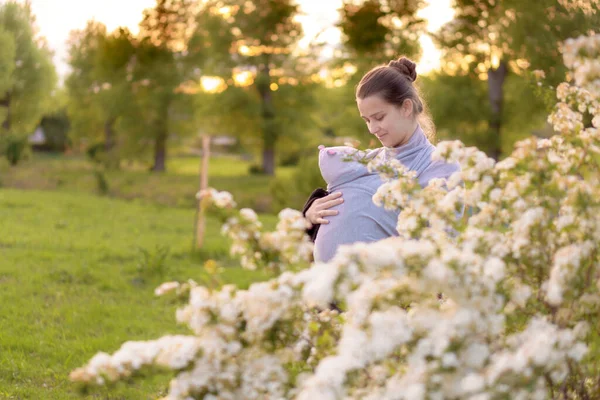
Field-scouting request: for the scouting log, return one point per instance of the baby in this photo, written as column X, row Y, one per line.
column 359, row 219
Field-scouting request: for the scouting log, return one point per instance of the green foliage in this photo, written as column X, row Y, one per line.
column 363, row 29
column 98, row 90
column 130, row 86
column 460, row 109
column 496, row 38
column 236, row 110
column 525, row 112
column 377, row 31
column 266, row 23
column 514, row 30
column 94, row 152
column 101, row 182
column 152, row 263
column 256, row 169
column 27, row 77
column 210, row 42
column 269, row 30
column 14, row 147
column 293, row 191
column 56, row 130
column 7, row 58
column 336, row 113
column 539, row 28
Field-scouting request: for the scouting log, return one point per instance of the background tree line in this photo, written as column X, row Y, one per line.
column 135, row 96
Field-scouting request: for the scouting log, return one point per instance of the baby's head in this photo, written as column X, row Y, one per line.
column 335, row 167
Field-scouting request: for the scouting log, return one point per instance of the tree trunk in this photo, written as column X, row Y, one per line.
column 160, row 144
column 200, row 221
column 496, row 79
column 110, row 140
column 160, row 152
column 268, row 116
column 109, row 135
column 5, row 102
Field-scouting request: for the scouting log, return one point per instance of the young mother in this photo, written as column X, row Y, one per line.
column 393, row 111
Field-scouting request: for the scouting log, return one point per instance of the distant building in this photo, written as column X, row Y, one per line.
column 37, row 138
column 223, row 140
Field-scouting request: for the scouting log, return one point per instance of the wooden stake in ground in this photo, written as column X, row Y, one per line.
column 200, row 223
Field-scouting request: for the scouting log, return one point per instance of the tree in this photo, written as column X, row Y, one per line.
column 491, row 38
column 177, row 44
column 27, row 75
column 336, row 113
column 376, row 31
column 265, row 34
column 85, row 113
column 164, row 32
column 467, row 122
column 7, row 59
column 99, row 86
column 56, row 123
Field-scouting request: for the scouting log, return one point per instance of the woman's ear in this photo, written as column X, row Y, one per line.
column 407, row 108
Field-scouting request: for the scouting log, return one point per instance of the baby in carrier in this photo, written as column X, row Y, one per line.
column 359, row 219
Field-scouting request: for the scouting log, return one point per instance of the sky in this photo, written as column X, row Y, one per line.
column 56, row 18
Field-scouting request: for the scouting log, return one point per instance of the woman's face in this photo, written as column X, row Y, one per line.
column 392, row 125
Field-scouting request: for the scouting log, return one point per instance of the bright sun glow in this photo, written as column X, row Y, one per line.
column 243, row 78
column 213, row 84
column 437, row 13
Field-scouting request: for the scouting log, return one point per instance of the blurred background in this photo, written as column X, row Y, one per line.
column 113, row 97
column 109, row 110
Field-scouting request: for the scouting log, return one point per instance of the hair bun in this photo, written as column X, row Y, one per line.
column 406, row 67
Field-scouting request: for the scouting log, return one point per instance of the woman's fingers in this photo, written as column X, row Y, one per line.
column 320, row 208
column 332, row 196
column 327, row 213
column 317, row 217
column 329, row 201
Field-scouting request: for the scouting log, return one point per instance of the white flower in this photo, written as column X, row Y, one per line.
column 494, row 268
column 166, row 287
column 248, row 214
column 475, row 355
column 472, row 383
column 520, row 294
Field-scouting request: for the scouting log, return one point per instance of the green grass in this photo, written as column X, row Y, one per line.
column 177, row 187
column 70, row 286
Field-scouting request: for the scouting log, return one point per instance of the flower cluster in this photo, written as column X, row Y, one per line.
column 287, row 245
column 501, row 301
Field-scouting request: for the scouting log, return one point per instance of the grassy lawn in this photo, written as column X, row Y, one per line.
column 177, row 187
column 73, row 281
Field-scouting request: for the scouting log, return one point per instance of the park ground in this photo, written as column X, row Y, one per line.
column 78, row 270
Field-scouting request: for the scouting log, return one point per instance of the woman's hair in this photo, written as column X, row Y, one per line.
column 394, row 84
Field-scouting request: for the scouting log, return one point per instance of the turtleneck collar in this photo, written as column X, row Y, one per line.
column 415, row 154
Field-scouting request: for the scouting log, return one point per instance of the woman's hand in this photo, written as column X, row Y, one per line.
column 320, row 208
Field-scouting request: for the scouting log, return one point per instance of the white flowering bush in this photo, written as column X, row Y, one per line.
column 288, row 245
column 501, row 303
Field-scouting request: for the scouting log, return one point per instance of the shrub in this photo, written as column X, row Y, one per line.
column 152, row 263
column 256, row 169
column 292, row 193
column 14, row 147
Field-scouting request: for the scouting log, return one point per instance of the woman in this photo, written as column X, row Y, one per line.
column 390, row 105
